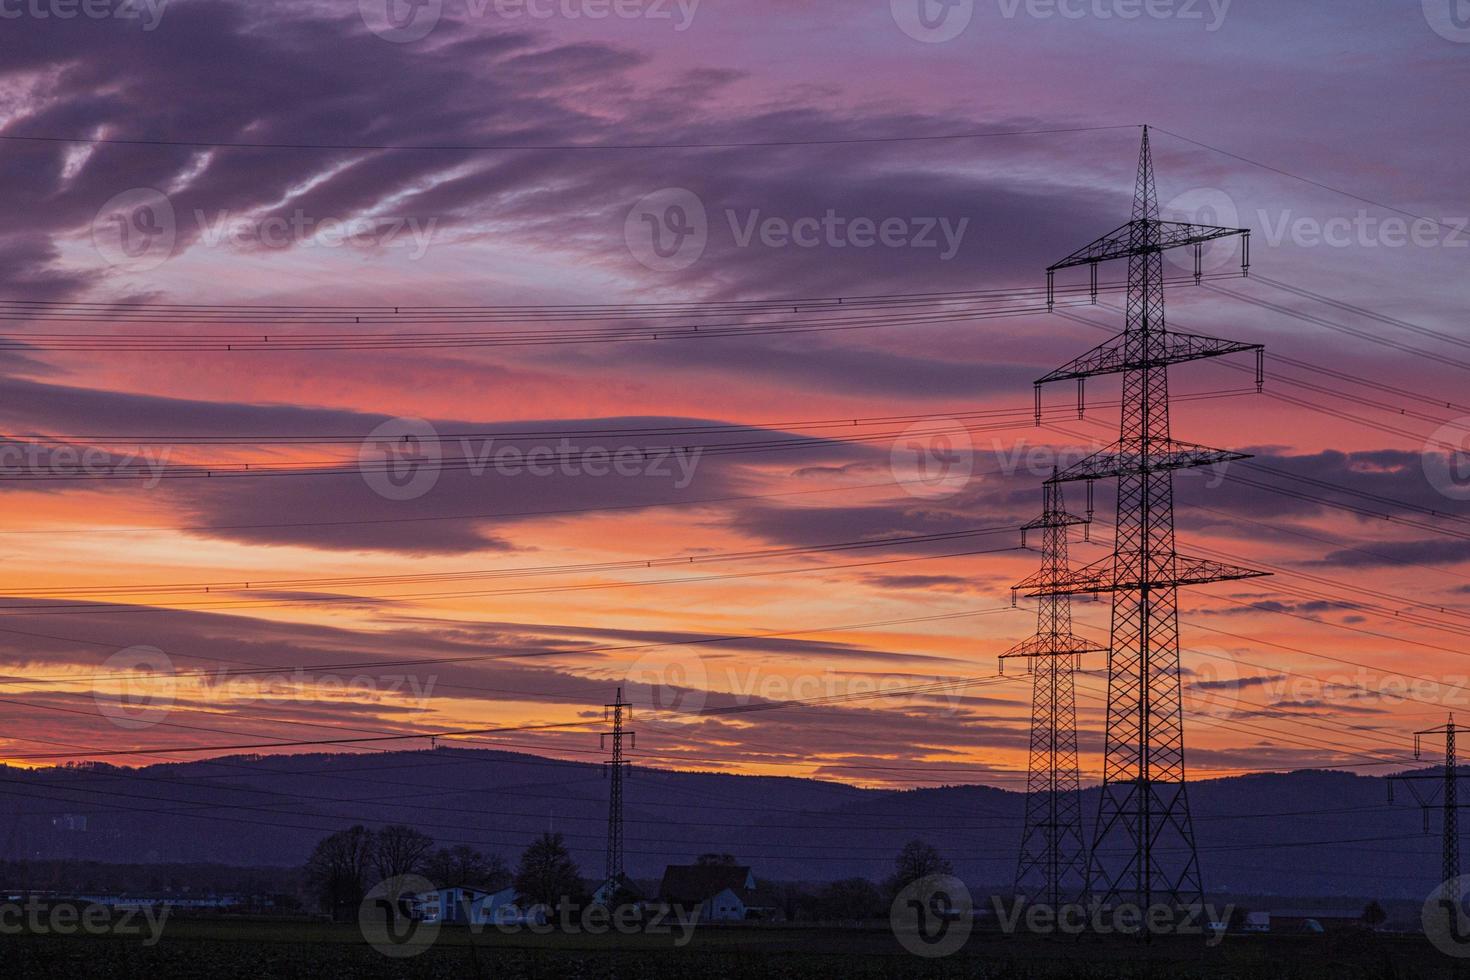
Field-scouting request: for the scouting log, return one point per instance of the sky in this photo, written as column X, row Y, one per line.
column 831, row 517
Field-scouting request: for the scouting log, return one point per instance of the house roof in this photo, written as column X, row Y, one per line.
column 621, row 883
column 1316, row 914
column 471, row 892
column 696, row 882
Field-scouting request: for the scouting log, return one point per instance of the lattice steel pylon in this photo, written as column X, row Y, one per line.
column 616, row 768
column 1143, row 848
column 1449, row 798
column 1052, row 869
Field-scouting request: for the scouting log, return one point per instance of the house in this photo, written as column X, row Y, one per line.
column 720, row 892
column 615, row 891
column 1315, row 920
column 466, row 906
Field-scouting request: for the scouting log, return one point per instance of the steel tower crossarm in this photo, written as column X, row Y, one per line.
column 1102, row 576
column 1123, row 459
column 1053, row 644
column 1142, row 236
column 1116, row 355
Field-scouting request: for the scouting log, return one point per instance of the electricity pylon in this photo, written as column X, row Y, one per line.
column 615, row 768
column 1143, row 848
column 1449, row 797
column 1052, row 869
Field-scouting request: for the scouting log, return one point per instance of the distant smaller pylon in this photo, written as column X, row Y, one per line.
column 1052, row 869
column 1448, row 801
column 616, row 767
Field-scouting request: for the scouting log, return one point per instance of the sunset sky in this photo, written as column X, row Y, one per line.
column 1337, row 137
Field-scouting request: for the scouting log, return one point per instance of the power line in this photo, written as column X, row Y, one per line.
column 248, row 746
column 80, row 608
column 41, row 309
column 1305, row 180
column 1354, row 332
column 358, row 340
column 558, row 147
column 695, row 557
column 254, row 668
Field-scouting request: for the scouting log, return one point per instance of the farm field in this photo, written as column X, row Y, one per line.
column 275, row 950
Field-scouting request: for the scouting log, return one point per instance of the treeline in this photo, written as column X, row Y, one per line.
column 344, row 866
column 859, row 899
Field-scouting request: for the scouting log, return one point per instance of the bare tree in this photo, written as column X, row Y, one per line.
column 850, row 900
column 918, row 859
column 337, row 870
column 399, row 850
column 547, row 873
column 463, row 865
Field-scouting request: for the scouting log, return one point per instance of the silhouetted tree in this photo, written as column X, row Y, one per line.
column 918, row 859
column 849, row 900
column 337, row 870
column 796, row 900
column 449, row 867
column 1373, row 915
column 547, row 873
column 400, row 850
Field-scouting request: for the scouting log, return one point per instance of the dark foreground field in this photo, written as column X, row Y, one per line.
column 227, row 950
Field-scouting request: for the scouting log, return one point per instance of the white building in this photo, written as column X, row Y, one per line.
column 475, row 907
column 720, row 892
